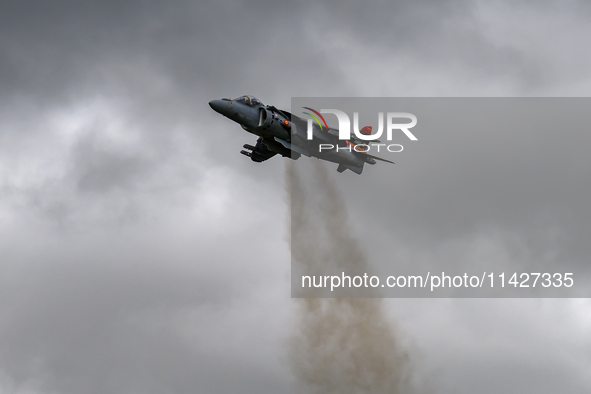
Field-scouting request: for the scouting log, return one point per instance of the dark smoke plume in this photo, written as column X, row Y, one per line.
column 341, row 345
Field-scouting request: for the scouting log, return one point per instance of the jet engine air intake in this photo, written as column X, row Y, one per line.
column 265, row 118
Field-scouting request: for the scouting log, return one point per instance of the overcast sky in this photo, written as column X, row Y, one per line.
column 141, row 253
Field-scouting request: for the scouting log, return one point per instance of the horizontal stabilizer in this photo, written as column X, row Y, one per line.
column 343, row 167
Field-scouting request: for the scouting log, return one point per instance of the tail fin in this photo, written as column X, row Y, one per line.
column 365, row 130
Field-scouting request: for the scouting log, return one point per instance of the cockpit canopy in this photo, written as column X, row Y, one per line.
column 250, row 100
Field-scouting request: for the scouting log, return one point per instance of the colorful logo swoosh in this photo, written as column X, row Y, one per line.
column 315, row 118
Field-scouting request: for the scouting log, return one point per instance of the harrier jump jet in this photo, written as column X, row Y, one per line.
column 282, row 133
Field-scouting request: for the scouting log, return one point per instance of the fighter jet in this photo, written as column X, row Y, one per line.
column 282, row 133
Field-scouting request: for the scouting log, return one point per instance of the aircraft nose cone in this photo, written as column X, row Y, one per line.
column 217, row 105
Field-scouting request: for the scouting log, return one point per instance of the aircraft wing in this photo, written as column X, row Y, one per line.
column 375, row 157
column 294, row 148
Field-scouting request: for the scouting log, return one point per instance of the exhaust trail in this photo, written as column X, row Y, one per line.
column 340, row 345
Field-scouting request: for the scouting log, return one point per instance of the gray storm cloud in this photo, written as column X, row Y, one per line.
column 136, row 257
